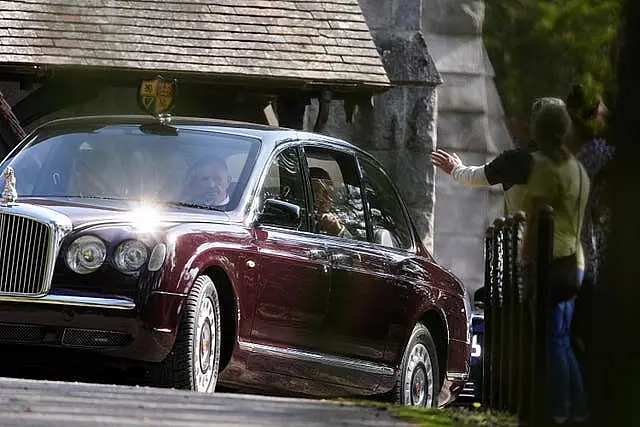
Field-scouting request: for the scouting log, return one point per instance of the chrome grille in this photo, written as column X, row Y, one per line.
column 24, row 251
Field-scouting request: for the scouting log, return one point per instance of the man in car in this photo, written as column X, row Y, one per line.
column 208, row 183
column 322, row 187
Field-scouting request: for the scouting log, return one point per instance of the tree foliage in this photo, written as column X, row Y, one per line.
column 540, row 47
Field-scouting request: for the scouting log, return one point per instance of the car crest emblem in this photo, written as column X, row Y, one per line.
column 9, row 193
column 157, row 96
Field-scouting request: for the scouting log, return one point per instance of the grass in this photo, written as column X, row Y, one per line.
column 446, row 417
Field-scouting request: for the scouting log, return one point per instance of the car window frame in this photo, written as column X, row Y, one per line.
column 61, row 127
column 255, row 205
column 345, row 151
column 361, row 157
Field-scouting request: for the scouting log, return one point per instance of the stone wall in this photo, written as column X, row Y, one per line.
column 470, row 123
column 397, row 126
column 443, row 95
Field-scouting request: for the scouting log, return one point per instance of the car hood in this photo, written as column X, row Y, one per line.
column 85, row 212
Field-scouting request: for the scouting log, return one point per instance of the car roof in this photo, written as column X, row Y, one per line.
column 272, row 135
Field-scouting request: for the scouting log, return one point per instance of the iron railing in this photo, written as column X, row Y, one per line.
column 516, row 319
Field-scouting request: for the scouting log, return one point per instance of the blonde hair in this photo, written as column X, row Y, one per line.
column 551, row 127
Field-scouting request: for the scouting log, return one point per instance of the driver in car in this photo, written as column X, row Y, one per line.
column 208, row 184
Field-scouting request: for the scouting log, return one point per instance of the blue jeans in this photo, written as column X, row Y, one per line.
column 567, row 390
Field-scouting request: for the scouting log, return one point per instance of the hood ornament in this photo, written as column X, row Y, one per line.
column 9, row 193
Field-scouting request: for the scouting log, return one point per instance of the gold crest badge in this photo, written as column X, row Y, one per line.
column 157, row 96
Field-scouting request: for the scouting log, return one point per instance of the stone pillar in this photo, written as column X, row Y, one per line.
column 397, row 126
column 470, row 123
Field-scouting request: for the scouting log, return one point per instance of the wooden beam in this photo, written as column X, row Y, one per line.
column 324, row 106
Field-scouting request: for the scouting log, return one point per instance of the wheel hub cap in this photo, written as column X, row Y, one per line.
column 418, row 387
column 204, row 347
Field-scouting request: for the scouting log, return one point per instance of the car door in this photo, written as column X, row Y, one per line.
column 294, row 269
column 357, row 323
column 393, row 235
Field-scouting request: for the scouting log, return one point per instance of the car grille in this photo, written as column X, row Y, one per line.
column 92, row 338
column 24, row 249
column 20, row 333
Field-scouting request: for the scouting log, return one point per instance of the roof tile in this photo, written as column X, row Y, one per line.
column 319, row 41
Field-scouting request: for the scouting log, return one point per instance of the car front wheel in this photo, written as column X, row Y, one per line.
column 195, row 358
column 417, row 382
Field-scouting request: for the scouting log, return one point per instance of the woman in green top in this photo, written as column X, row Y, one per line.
column 557, row 179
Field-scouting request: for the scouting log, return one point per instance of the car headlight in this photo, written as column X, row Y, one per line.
column 130, row 255
column 158, row 254
column 86, row 254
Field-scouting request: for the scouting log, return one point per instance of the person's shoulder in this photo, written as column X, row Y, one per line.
column 510, row 167
column 543, row 166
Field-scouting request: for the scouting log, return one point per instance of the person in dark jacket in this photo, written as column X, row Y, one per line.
column 511, row 168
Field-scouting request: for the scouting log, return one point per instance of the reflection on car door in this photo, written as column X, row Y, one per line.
column 359, row 305
column 294, row 271
column 360, row 285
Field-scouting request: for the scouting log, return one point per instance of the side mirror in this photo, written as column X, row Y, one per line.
column 280, row 213
column 479, row 297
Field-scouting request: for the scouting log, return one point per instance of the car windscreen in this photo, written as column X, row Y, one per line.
column 189, row 166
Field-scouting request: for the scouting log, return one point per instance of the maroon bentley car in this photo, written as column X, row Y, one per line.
column 253, row 257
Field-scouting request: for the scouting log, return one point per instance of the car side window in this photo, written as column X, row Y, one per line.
column 390, row 224
column 285, row 182
column 335, row 186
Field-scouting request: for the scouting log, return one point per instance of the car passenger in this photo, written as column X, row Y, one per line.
column 97, row 173
column 323, row 190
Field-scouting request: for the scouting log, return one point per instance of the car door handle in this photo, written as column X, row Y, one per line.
column 317, row 254
column 342, row 257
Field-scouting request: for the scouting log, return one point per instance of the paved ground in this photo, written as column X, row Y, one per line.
column 51, row 403
column 56, row 388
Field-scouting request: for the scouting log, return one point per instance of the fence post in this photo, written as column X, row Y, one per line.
column 544, row 255
column 509, row 324
column 488, row 319
column 519, row 330
column 496, row 312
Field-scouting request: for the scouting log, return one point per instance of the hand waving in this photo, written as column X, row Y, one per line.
column 445, row 161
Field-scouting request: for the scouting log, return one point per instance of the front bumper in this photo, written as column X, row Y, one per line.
column 111, row 325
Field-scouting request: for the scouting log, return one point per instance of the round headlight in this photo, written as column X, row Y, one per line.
column 130, row 255
column 86, row 254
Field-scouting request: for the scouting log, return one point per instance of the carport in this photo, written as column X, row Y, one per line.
column 232, row 58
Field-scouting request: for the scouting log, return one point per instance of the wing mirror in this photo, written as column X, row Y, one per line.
column 280, row 213
column 479, row 297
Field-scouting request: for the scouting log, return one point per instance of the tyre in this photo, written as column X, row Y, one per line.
column 194, row 361
column 418, row 379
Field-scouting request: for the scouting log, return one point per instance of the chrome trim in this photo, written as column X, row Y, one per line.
column 163, row 330
column 457, row 376
column 9, row 193
column 335, row 361
column 115, row 303
column 59, row 227
column 173, row 294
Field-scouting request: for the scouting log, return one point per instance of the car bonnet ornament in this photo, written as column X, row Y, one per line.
column 9, row 193
column 157, row 97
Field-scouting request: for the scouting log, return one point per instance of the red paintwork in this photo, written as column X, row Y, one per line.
column 361, row 307
column 364, row 311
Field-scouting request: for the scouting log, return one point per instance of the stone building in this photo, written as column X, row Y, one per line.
column 317, row 64
column 443, row 95
column 232, row 58
column 471, row 123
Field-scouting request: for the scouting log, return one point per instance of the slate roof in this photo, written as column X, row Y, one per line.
column 312, row 41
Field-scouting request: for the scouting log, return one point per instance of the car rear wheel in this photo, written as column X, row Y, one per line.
column 195, row 358
column 418, row 380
